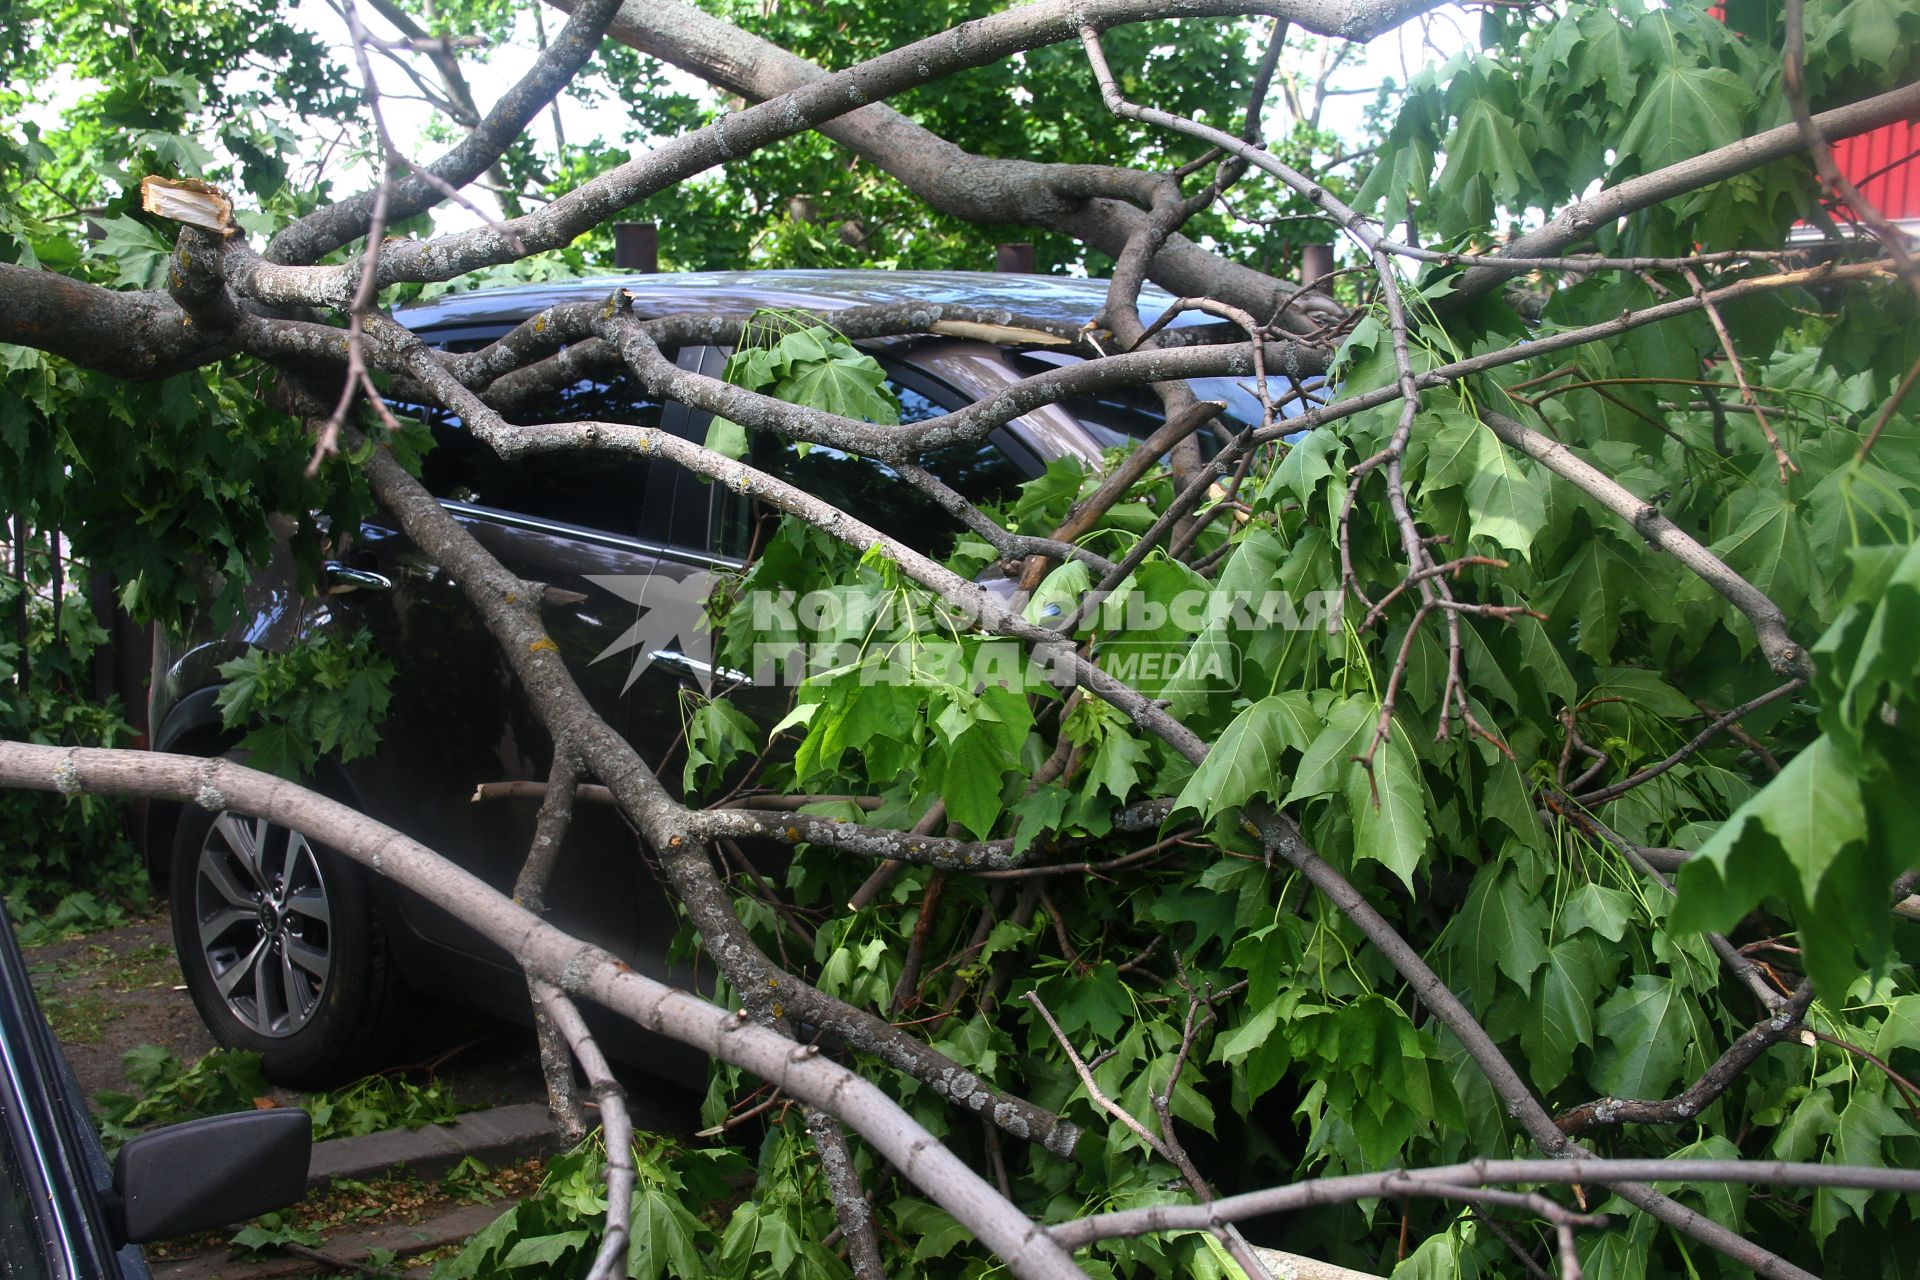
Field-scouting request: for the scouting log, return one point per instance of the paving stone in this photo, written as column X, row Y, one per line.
column 497, row 1136
column 341, row 1251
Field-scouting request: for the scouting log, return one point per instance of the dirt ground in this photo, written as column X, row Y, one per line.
column 105, row 993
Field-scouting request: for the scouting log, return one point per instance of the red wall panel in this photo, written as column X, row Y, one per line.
column 1883, row 164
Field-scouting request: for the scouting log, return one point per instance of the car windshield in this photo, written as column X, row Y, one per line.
column 1121, row 414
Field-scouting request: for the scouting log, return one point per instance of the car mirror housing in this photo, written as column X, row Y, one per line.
column 207, row 1173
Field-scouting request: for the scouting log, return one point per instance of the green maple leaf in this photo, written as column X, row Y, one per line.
column 1604, row 56
column 1684, row 112
column 138, row 252
column 1245, row 761
column 1877, row 36
column 1645, row 1029
column 665, row 1238
column 544, row 1251
column 1802, row 839
column 971, row 785
column 1485, row 145
column 852, row 386
column 1559, row 1014
column 1504, row 500
column 1322, row 769
column 1769, row 548
column 1389, row 809
column 1500, row 927
column 1598, row 908
column 1454, row 449
column 1598, row 584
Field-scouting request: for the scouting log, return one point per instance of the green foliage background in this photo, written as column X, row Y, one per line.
column 58, row 852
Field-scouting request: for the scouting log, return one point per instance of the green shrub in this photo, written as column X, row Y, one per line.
column 61, row 850
column 557, row 1230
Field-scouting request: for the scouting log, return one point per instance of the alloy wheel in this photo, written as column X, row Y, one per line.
column 264, row 922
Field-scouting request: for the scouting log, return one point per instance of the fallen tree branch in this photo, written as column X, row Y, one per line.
column 509, row 612
column 1101, row 207
column 529, row 890
column 1779, row 1024
column 577, row 968
column 850, row 1207
column 1720, row 723
column 1281, row 836
column 1235, row 1243
column 1580, row 1170
column 740, row 133
column 616, row 1128
column 1793, row 84
column 1580, row 219
column 1783, row 653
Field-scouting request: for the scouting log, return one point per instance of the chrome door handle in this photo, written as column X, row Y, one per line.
column 341, row 579
column 680, row 662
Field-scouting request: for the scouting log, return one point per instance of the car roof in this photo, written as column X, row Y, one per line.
column 1060, row 299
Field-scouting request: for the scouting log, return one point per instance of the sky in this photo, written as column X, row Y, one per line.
column 1396, row 55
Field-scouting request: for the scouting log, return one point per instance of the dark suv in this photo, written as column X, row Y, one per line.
column 294, row 952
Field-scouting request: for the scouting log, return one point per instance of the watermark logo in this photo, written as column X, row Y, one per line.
column 1184, row 640
column 1171, row 668
column 671, row 623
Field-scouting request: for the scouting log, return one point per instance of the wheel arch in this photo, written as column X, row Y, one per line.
column 194, row 727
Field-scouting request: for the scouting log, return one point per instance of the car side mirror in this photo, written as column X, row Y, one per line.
column 207, row 1173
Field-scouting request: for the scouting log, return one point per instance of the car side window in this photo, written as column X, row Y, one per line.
column 871, row 491
column 596, row 488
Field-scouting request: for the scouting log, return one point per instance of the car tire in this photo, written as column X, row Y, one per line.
column 283, row 949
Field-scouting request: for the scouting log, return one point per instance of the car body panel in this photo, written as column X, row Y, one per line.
column 459, row 718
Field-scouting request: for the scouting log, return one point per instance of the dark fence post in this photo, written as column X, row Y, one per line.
column 1316, row 260
column 23, row 674
column 57, row 572
column 636, row 246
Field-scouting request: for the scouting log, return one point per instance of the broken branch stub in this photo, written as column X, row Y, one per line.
column 197, row 204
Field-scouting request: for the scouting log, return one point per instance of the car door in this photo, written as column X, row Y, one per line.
column 585, row 525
